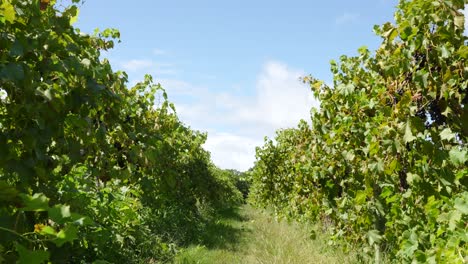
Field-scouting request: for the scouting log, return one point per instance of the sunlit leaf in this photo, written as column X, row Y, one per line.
column 458, row 157
column 8, row 11
column 374, row 237
column 59, row 213
column 447, row 134
column 67, row 234
column 36, row 202
column 461, row 204
column 408, row 137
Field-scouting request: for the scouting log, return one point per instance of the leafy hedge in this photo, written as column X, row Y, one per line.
column 90, row 169
column 384, row 163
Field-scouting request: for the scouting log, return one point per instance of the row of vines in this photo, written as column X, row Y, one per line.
column 92, row 170
column 383, row 163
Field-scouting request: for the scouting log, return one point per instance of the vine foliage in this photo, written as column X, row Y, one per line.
column 384, row 162
column 90, row 169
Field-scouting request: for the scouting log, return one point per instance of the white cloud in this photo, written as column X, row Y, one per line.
column 137, row 68
column 232, row 151
column 159, row 52
column 137, row 65
column 347, row 18
column 180, row 88
column 281, row 99
column 237, row 124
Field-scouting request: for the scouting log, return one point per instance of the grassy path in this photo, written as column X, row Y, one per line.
column 248, row 235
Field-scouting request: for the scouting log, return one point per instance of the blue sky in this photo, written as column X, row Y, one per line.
column 232, row 68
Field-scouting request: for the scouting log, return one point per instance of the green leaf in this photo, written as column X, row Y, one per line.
column 463, row 51
column 458, row 157
column 37, row 202
column 432, row 207
column 31, row 257
column 81, row 220
column 391, row 34
column 459, row 21
column 445, row 52
column 421, row 78
column 8, row 11
column 74, row 11
column 405, row 31
column 391, row 167
column 374, row 237
column 345, row 89
column 47, row 94
column 408, row 137
column 360, row 198
column 461, row 204
column 410, row 244
column 447, row 134
column 454, row 219
column 59, row 212
column 67, row 234
column 48, row 230
column 411, row 177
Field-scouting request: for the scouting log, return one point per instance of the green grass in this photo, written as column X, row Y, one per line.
column 247, row 235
